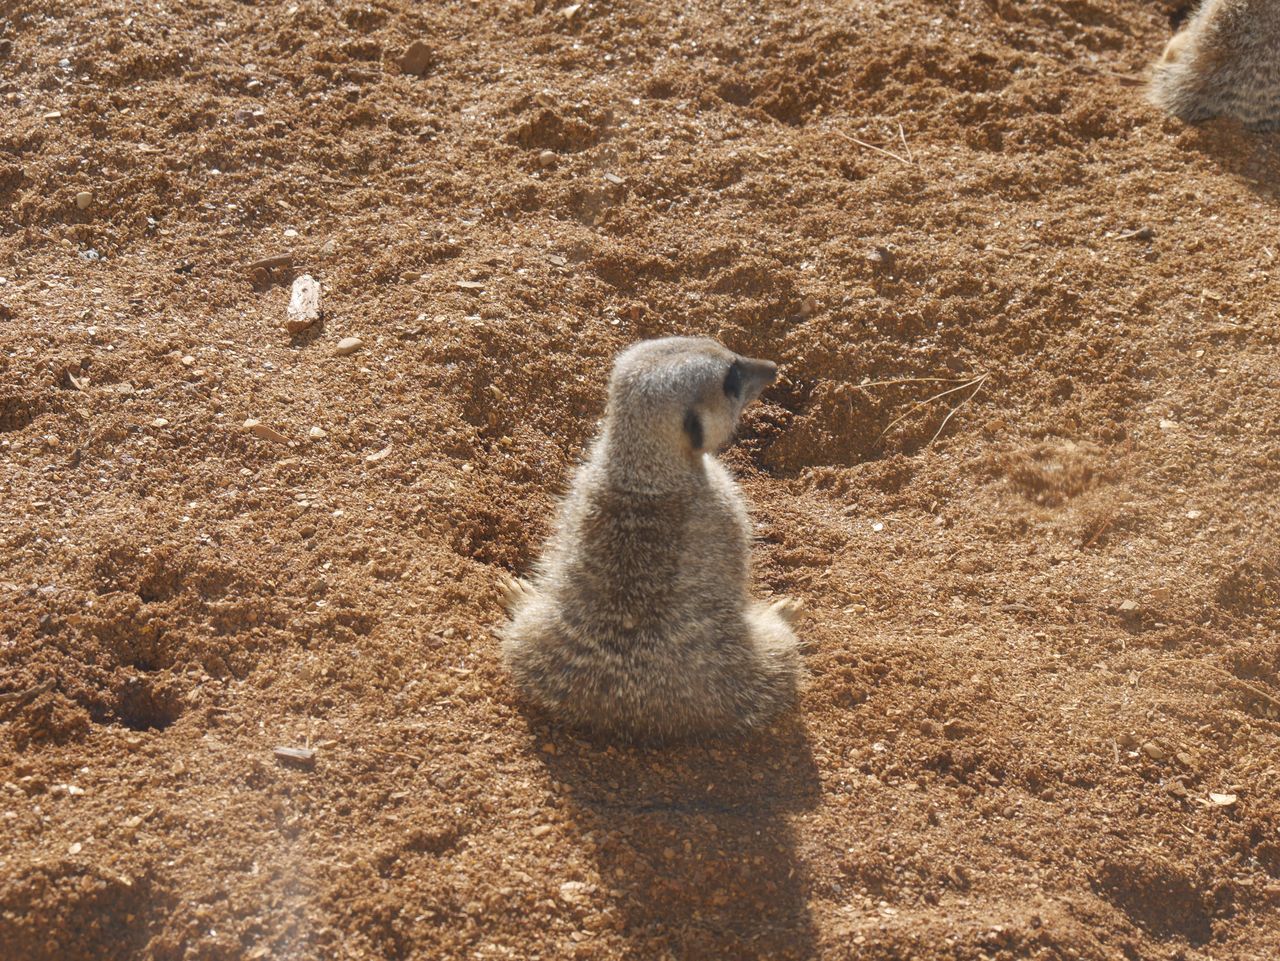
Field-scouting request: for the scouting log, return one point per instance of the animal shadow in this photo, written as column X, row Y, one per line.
column 1251, row 154
column 695, row 849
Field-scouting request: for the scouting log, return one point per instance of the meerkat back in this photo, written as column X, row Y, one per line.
column 637, row 621
column 1225, row 61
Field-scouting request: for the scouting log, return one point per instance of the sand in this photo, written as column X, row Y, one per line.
column 1044, row 608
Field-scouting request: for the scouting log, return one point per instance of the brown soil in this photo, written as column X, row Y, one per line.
column 1044, row 615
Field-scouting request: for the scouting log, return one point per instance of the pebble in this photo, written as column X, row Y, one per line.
column 304, row 304
column 416, row 59
column 881, row 258
column 317, row 433
column 1154, row 751
column 348, row 345
column 75, row 848
column 264, row 432
column 547, row 158
column 188, row 360
column 573, row 891
column 380, row 455
column 542, row 830
column 159, row 422
column 83, row 199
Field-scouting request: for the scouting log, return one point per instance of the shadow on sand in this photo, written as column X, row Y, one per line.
column 694, row 843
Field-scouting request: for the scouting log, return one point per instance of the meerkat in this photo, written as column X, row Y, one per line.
column 638, row 622
column 1224, row 61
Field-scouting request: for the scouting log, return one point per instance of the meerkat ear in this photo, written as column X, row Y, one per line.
column 693, row 428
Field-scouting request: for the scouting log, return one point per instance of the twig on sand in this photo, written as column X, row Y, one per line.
column 13, row 700
column 1226, row 675
column 905, row 146
column 400, row 754
column 941, row 427
column 975, row 382
column 871, row 146
column 911, row 380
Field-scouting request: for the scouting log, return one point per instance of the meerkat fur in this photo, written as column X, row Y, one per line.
column 1224, row 62
column 637, row 622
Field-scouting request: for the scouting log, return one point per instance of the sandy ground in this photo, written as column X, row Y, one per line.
column 1044, row 608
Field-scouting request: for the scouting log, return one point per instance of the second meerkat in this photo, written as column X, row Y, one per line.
column 638, row 621
column 1224, row 62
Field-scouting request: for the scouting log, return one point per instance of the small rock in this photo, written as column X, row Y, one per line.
column 75, row 848
column 188, row 360
column 264, row 432
column 955, row 728
column 547, row 158
column 83, row 199
column 1185, row 759
column 159, row 422
column 1127, row 741
column 542, row 830
column 808, row 306
column 1222, row 800
column 380, row 455
column 261, row 271
column 416, row 59
column 614, row 179
column 1154, row 751
column 317, row 433
column 472, row 285
column 299, row 757
column 1166, row 424
column 1142, row 233
column 1128, row 607
column 573, row 891
column 348, row 345
column 304, row 304
column 881, row 258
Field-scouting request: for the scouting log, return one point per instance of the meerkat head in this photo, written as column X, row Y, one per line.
column 683, row 392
